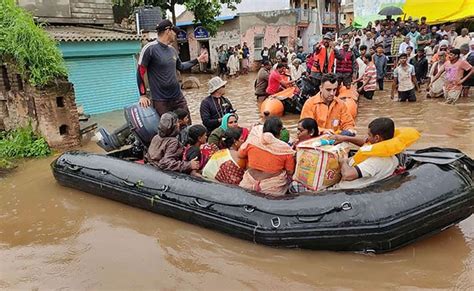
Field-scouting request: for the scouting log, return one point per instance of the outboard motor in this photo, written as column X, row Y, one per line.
column 307, row 86
column 308, row 89
column 140, row 128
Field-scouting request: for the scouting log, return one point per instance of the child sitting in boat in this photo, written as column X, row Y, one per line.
column 165, row 151
column 270, row 161
column 183, row 121
column 376, row 159
column 284, row 134
column 196, row 146
column 225, row 165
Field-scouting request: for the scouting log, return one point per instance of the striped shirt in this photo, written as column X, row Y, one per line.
column 396, row 42
column 370, row 73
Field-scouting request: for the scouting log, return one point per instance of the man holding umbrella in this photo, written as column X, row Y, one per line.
column 390, row 11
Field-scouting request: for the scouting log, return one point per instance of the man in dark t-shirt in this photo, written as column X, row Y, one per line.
column 160, row 61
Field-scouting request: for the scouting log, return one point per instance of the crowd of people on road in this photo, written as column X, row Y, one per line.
column 234, row 60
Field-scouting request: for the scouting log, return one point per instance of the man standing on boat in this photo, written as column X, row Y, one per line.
column 160, row 60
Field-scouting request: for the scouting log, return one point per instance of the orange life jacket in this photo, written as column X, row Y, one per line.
column 320, row 60
column 344, row 92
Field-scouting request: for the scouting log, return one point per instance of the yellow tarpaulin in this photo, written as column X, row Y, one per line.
column 436, row 11
column 439, row 10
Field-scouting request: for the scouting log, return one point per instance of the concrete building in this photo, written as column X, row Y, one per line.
column 101, row 64
column 325, row 8
column 348, row 12
column 258, row 30
column 101, row 61
column 315, row 18
column 70, row 11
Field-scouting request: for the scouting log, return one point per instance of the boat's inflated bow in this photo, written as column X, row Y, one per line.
column 435, row 192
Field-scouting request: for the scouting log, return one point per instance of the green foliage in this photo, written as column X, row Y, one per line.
column 22, row 143
column 28, row 46
column 205, row 11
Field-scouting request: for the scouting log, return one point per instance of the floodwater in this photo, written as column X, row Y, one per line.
column 53, row 237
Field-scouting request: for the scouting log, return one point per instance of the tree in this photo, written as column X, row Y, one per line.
column 205, row 11
column 28, row 47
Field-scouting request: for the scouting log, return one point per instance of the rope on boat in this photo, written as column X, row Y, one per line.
column 275, row 221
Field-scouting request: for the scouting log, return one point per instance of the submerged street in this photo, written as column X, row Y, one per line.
column 57, row 237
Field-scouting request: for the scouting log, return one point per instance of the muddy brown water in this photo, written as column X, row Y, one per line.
column 53, row 237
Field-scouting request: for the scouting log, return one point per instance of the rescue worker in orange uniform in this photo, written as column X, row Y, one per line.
column 324, row 56
column 331, row 113
column 348, row 93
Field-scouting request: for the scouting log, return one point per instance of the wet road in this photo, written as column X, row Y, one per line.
column 53, row 237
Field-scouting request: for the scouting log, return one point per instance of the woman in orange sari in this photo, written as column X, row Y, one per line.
column 270, row 161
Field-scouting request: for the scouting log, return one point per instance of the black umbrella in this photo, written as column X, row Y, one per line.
column 391, row 10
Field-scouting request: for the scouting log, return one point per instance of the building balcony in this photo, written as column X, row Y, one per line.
column 303, row 16
column 348, row 8
column 329, row 18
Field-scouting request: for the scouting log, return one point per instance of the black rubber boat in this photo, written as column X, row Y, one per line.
column 435, row 192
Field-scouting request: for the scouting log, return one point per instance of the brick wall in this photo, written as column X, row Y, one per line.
column 52, row 110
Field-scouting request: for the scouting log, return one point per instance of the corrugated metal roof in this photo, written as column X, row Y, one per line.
column 79, row 33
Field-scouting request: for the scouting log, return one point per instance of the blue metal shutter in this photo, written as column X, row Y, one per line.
column 104, row 83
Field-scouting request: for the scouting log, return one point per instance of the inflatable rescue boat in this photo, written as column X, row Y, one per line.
column 289, row 100
column 433, row 193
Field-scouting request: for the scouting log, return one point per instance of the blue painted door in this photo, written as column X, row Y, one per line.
column 103, row 83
